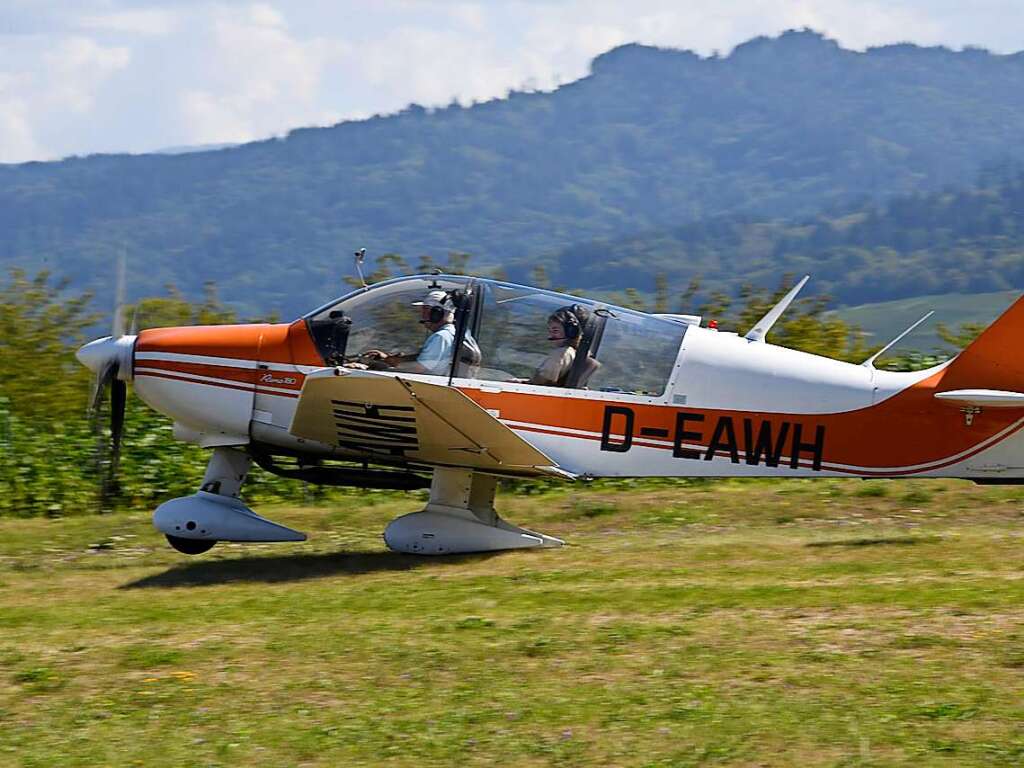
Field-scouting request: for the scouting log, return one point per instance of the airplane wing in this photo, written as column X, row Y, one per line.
column 398, row 418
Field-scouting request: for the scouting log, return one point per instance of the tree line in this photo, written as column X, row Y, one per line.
column 963, row 240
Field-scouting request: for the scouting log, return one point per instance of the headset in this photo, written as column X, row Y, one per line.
column 438, row 314
column 569, row 317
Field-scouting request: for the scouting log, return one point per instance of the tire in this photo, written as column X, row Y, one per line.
column 190, row 546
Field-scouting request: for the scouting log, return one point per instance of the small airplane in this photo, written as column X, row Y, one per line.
column 452, row 382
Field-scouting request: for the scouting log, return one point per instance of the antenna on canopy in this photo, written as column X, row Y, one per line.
column 762, row 326
column 360, row 257
column 870, row 362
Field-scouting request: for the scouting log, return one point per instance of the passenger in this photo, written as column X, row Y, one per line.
column 437, row 313
column 564, row 330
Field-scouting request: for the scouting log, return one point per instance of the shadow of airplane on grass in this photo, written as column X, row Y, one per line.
column 272, row 570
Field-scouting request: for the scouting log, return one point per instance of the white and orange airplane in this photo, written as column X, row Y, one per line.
column 513, row 381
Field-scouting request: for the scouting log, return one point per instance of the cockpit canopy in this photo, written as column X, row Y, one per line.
column 502, row 334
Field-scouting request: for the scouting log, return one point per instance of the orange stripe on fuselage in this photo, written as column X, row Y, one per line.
column 172, row 377
column 226, row 372
column 288, row 379
column 906, row 430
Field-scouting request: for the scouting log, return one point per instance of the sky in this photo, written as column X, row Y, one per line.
column 85, row 76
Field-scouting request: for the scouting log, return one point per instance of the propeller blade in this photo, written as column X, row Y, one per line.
column 108, row 455
column 118, row 323
column 118, row 397
column 105, row 376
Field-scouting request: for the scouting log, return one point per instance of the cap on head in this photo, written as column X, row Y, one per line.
column 439, row 299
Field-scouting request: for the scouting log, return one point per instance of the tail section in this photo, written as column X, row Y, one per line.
column 995, row 360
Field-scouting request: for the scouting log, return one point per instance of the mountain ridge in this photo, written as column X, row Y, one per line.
column 652, row 138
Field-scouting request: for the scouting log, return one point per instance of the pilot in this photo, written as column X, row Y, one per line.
column 437, row 313
column 564, row 330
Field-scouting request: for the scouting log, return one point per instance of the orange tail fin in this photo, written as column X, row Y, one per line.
column 994, row 360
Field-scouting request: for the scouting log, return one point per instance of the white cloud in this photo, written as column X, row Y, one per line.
column 75, row 68
column 149, row 22
column 264, row 15
column 16, row 136
column 470, row 15
column 42, row 87
column 212, row 121
column 252, row 77
column 142, row 74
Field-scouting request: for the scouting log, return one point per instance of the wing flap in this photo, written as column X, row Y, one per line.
column 399, row 418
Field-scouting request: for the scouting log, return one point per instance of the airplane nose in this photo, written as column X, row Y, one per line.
column 98, row 354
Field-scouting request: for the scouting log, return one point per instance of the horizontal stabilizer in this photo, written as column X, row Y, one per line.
column 402, row 419
column 992, row 398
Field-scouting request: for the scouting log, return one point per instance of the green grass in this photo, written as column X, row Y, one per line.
column 732, row 623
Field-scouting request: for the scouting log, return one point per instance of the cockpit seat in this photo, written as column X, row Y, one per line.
column 470, row 358
column 581, row 374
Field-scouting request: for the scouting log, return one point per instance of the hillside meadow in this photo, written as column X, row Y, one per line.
column 828, row 622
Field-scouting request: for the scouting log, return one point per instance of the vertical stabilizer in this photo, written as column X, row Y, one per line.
column 995, row 360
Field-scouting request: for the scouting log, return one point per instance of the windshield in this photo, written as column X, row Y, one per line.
column 392, row 325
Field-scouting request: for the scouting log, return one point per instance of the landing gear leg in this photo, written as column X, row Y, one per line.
column 460, row 517
column 226, row 472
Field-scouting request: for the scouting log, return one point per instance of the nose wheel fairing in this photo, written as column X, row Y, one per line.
column 212, row 517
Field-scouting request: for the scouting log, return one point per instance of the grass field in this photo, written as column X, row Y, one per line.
column 832, row 623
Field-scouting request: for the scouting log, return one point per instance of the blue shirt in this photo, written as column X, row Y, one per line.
column 436, row 354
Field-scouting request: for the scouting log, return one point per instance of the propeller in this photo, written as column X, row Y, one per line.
column 110, row 358
column 108, row 454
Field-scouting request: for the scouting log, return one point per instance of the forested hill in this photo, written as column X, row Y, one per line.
column 652, row 139
column 968, row 240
